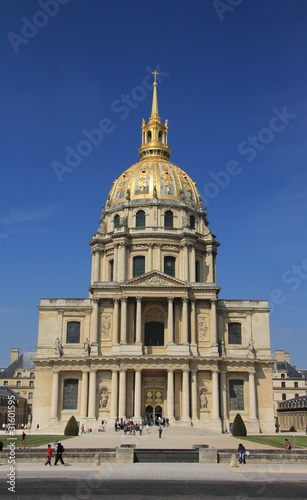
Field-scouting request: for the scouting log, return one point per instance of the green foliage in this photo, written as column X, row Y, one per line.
column 238, row 427
column 71, row 428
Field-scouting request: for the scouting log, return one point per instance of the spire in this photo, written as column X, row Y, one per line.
column 154, row 133
column 154, row 107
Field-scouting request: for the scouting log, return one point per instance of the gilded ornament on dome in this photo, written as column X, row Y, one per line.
column 142, row 181
column 167, row 183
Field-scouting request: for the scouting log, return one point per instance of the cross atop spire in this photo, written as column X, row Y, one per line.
column 155, row 73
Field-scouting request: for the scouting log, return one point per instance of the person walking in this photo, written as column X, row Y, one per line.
column 160, row 431
column 23, row 440
column 59, row 451
column 241, row 452
column 49, row 455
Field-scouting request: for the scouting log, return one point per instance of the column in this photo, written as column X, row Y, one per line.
column 115, row 263
column 97, row 266
column 84, row 392
column 192, row 264
column 114, row 394
column 213, row 325
column 170, row 320
column 122, row 394
column 94, row 332
column 149, row 262
column 185, row 395
column 194, row 394
column 115, row 321
column 186, row 263
column 170, row 395
column 92, row 395
column 137, row 394
column 55, row 395
column 210, row 262
column 252, row 396
column 121, row 259
column 138, row 328
column 123, row 324
column 224, row 413
column 193, row 322
column 185, row 339
column 215, row 395
column 159, row 258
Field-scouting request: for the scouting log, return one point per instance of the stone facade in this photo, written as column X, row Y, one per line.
column 153, row 338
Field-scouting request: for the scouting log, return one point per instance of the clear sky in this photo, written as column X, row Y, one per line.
column 232, row 84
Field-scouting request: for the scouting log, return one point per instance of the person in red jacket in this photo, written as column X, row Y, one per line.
column 49, row 455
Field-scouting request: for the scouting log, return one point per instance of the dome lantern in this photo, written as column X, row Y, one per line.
column 154, row 133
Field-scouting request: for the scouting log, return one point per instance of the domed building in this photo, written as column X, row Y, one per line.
column 153, row 339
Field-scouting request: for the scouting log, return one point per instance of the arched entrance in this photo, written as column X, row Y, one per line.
column 153, row 404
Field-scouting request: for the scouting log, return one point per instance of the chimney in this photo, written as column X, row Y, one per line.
column 14, row 354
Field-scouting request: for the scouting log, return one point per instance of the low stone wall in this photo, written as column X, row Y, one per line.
column 129, row 454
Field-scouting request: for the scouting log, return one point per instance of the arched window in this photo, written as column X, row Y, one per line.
column 140, row 219
column 284, row 396
column 169, row 265
column 192, row 222
column 168, row 219
column 116, row 221
column 236, row 395
column 73, row 332
column 31, row 374
column 70, row 394
column 30, row 395
column 138, row 265
column 234, row 333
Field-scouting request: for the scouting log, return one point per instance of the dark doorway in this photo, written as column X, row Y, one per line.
column 154, row 333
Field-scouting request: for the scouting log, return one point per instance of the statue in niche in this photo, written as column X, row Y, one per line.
column 58, row 347
column 251, row 349
column 86, row 347
column 103, row 400
column 203, row 400
column 222, row 350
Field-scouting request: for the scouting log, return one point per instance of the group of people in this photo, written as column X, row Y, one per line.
column 58, row 450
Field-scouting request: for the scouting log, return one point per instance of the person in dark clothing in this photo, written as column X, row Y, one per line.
column 59, row 451
column 241, row 453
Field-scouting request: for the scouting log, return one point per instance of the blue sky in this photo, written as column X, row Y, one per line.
column 233, row 86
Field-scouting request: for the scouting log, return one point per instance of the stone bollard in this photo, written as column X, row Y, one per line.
column 233, row 460
column 97, row 459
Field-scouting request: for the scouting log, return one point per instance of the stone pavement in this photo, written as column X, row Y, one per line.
column 174, row 437
column 162, row 471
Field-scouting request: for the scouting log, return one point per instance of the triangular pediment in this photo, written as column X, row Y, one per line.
column 154, row 279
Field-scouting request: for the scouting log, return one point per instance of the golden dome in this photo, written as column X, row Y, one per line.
column 154, row 178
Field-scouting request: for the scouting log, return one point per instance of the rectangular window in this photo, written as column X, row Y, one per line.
column 169, row 265
column 234, row 333
column 73, row 332
column 31, row 383
column 18, row 383
column 283, row 384
column 70, row 396
column 296, row 385
column 236, row 395
column 138, row 265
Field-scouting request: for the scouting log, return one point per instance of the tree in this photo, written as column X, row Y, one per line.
column 71, row 428
column 238, row 427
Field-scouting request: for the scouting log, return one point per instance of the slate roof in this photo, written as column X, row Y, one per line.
column 284, row 366
column 6, row 391
column 24, row 362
